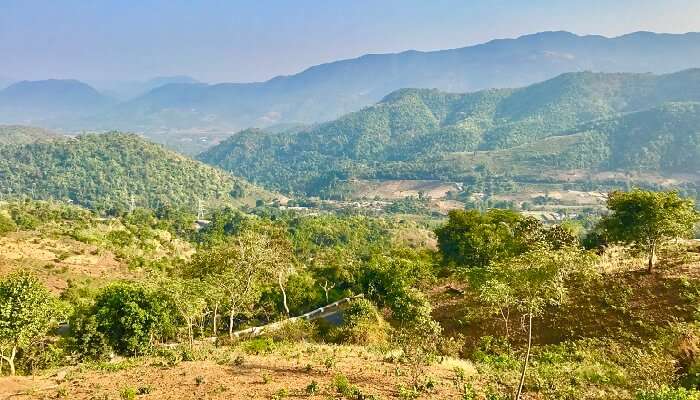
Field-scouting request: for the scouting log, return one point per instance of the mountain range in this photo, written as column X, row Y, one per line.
column 326, row 91
column 582, row 120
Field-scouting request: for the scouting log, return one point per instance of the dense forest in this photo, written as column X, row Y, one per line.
column 114, row 172
column 418, row 134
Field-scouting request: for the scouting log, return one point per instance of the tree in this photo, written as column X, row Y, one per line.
column 537, row 280
column 187, row 296
column 472, row 238
column 475, row 239
column 239, row 268
column 27, row 312
column 646, row 220
column 132, row 316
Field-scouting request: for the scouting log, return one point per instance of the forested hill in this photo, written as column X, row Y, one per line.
column 663, row 139
column 104, row 172
column 411, row 132
column 19, row 134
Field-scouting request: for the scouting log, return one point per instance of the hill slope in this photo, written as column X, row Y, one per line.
column 324, row 92
column 104, row 172
column 428, row 134
column 663, row 139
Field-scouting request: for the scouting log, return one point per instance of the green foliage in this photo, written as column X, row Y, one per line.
column 257, row 346
column 420, row 342
column 475, row 239
column 667, row 393
column 392, row 280
column 27, row 312
column 362, row 324
column 647, row 219
column 127, row 393
column 6, row 224
column 86, row 338
column 132, row 317
column 103, row 172
column 536, row 279
column 236, row 272
column 575, row 121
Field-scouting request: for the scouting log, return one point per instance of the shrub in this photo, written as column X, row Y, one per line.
column 86, row 339
column 257, row 346
column 362, row 324
column 312, row 388
column 666, row 393
column 6, row 224
column 342, row 385
column 131, row 317
column 295, row 331
column 127, row 393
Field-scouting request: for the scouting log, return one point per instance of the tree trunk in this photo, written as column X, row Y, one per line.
column 506, row 317
column 11, row 360
column 652, row 255
column 527, row 358
column 284, row 295
column 190, row 333
column 230, row 323
column 216, row 309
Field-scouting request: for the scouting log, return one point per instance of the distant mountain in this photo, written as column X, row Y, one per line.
column 5, row 82
column 19, row 134
column 326, row 91
column 105, row 171
column 52, row 101
column 127, row 90
column 428, row 134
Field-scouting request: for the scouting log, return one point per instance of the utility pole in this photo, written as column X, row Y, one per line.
column 200, row 209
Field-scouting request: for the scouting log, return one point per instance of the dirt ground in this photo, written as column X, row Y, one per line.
column 56, row 261
column 258, row 377
column 399, row 189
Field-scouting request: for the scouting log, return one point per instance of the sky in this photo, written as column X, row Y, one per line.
column 254, row 40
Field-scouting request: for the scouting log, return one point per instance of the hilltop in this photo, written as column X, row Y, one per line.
column 428, row 134
column 324, row 92
column 327, row 91
column 110, row 171
column 50, row 102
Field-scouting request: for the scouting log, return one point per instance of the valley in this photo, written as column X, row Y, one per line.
column 275, row 200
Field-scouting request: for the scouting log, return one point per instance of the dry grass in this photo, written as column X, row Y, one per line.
column 58, row 260
column 290, row 369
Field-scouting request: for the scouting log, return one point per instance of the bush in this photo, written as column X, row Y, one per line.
column 667, row 393
column 259, row 346
column 362, row 324
column 6, row 224
column 295, row 331
column 86, row 339
column 131, row 317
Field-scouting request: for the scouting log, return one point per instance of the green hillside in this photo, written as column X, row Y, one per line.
column 19, row 134
column 662, row 139
column 417, row 134
column 104, row 172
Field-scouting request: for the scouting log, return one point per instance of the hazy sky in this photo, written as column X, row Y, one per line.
column 246, row 40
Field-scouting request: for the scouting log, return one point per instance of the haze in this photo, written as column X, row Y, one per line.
column 255, row 40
